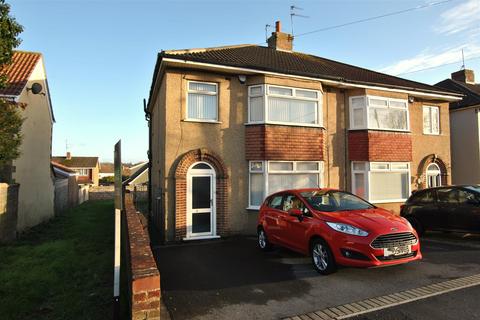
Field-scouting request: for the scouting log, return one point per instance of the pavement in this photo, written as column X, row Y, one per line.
column 232, row 279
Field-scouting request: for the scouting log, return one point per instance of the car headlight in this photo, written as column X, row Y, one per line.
column 346, row 228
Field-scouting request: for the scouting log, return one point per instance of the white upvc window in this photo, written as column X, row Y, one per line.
column 82, row 172
column 431, row 120
column 380, row 182
column 284, row 105
column 379, row 113
column 267, row 177
column 202, row 101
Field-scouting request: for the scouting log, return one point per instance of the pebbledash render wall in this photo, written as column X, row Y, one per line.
column 232, row 143
column 33, row 169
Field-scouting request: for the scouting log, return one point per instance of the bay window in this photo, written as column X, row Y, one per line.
column 267, row 177
column 284, row 105
column 378, row 113
column 202, row 102
column 381, row 181
column 431, row 120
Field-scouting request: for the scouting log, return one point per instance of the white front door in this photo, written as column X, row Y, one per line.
column 201, row 202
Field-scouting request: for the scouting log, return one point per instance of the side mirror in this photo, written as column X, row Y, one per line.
column 296, row 213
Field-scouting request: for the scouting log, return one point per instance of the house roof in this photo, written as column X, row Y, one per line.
column 18, row 72
column 471, row 93
column 107, row 167
column 77, row 162
column 84, row 180
column 137, row 173
column 62, row 167
column 294, row 63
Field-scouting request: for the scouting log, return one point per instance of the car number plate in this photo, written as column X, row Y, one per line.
column 397, row 251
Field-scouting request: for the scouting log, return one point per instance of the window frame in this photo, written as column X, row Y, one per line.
column 367, row 178
column 266, row 171
column 430, row 107
column 216, row 94
column 266, row 94
column 366, row 112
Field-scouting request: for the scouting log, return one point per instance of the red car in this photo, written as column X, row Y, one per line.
column 336, row 227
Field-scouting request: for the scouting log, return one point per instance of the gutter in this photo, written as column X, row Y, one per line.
column 338, row 81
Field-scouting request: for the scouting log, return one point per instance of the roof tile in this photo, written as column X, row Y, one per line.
column 19, row 71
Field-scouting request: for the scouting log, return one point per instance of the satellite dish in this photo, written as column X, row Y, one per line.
column 36, row 88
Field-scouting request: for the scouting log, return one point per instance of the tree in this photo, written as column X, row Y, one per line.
column 9, row 40
column 10, row 119
column 10, row 132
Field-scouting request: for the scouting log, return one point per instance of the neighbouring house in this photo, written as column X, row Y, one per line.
column 464, row 127
column 86, row 168
column 106, row 170
column 66, row 187
column 231, row 125
column 28, row 87
column 138, row 175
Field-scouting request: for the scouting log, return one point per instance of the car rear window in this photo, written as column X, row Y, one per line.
column 276, row 202
column 426, row 196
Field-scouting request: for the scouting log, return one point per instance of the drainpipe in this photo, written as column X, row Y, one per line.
column 347, row 124
column 149, row 153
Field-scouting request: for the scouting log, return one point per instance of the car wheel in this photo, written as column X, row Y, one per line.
column 322, row 257
column 417, row 226
column 263, row 242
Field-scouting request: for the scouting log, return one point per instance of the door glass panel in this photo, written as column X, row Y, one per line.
column 447, row 196
column 201, row 192
column 201, row 222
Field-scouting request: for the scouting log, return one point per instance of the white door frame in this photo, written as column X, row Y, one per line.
column 213, row 202
column 435, row 174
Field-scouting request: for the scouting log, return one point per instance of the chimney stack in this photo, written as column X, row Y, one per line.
column 465, row 76
column 279, row 40
column 69, row 156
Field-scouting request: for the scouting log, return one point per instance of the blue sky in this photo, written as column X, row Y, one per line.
column 100, row 54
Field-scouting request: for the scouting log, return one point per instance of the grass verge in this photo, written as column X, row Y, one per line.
column 62, row 269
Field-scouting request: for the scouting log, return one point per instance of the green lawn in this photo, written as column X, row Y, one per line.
column 62, row 269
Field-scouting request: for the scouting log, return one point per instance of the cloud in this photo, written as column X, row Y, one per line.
column 464, row 17
column 430, row 59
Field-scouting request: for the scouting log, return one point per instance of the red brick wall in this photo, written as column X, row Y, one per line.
column 276, row 142
column 368, row 145
column 142, row 273
column 222, row 185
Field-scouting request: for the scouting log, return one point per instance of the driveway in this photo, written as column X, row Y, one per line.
column 232, row 279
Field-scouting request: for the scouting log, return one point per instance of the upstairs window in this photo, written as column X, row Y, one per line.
column 431, row 120
column 202, row 101
column 284, row 105
column 82, row 172
column 378, row 113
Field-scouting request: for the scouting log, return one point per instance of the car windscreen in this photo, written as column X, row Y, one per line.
column 331, row 201
column 473, row 188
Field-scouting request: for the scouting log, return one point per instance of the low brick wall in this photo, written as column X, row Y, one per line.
column 8, row 212
column 101, row 193
column 142, row 272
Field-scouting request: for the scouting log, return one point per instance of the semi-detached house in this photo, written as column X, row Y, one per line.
column 231, row 125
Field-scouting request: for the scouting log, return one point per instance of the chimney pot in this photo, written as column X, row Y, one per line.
column 69, row 156
column 278, row 26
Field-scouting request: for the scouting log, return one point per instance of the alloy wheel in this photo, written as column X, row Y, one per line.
column 320, row 257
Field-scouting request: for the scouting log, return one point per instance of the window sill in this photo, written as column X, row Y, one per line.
column 201, row 238
column 383, row 130
column 431, row 134
column 201, row 121
column 252, row 208
column 285, row 124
